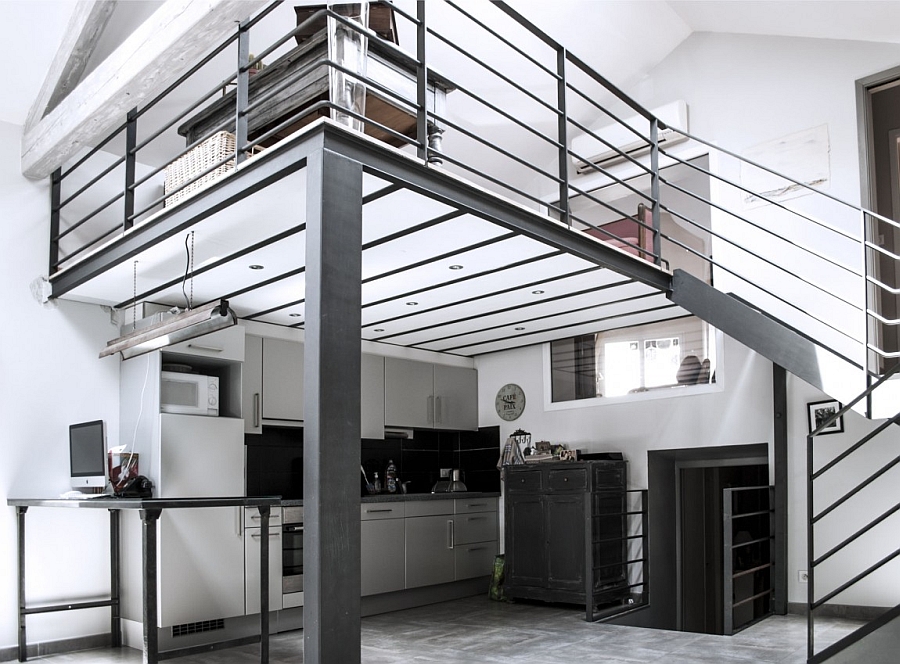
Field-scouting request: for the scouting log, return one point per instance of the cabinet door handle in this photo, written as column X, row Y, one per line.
column 376, row 511
column 238, row 526
column 475, row 518
column 476, row 548
column 430, row 414
column 476, row 504
column 259, row 535
column 450, row 534
column 439, row 416
column 256, row 409
column 211, row 349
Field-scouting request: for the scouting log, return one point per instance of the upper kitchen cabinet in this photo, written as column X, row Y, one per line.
column 424, row 396
column 273, row 386
column 282, row 380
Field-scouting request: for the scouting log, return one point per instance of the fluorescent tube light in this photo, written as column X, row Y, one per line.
column 180, row 327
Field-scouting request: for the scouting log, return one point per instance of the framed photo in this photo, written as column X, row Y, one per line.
column 819, row 411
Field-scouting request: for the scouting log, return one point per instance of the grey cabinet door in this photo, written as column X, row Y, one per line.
column 372, row 396
column 430, row 558
column 408, row 393
column 455, row 398
column 382, row 552
column 251, row 386
column 282, row 380
column 526, row 559
column 565, row 541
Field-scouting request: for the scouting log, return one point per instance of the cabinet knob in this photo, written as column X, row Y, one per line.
column 565, row 479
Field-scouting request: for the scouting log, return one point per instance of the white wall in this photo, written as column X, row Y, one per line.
column 742, row 90
column 50, row 376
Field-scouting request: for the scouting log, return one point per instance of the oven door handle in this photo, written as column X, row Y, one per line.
column 292, row 529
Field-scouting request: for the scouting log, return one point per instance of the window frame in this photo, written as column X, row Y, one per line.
column 649, row 395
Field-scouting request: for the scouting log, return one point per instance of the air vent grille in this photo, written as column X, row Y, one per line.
column 198, row 627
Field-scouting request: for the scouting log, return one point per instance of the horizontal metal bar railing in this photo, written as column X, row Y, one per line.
column 859, row 487
column 106, row 171
column 856, row 579
column 850, row 450
column 752, row 570
column 856, row 535
column 752, row 598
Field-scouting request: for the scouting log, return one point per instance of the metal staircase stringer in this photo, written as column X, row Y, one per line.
column 784, row 346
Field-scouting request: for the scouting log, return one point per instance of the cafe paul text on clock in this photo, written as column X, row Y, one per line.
column 510, row 402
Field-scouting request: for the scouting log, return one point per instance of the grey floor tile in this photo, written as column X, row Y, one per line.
column 478, row 631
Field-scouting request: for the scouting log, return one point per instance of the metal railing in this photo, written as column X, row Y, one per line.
column 617, row 567
column 515, row 100
column 874, row 550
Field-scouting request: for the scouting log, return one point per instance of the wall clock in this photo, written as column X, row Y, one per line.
column 510, row 402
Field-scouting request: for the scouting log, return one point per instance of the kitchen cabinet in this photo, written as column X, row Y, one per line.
column 282, row 380
column 430, row 558
column 273, row 386
column 252, row 550
column 450, row 540
column 547, row 528
column 425, row 396
column 382, row 547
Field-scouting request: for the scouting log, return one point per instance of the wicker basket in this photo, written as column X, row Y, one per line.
column 211, row 151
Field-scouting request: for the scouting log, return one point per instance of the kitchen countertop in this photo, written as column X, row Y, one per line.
column 405, row 497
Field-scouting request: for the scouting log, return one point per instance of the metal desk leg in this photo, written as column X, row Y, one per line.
column 264, row 511
column 115, row 624
column 20, row 543
column 149, row 519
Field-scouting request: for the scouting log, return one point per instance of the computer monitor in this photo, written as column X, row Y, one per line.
column 87, row 454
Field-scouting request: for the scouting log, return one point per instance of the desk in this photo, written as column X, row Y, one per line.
column 150, row 510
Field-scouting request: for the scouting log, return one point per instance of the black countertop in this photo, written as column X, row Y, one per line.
column 146, row 503
column 406, row 497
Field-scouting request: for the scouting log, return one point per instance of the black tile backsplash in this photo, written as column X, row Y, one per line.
column 275, row 459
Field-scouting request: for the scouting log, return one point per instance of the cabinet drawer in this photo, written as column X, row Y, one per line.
column 253, row 519
column 529, row 480
column 609, row 475
column 429, row 507
column 470, row 528
column 474, row 560
column 470, row 505
column 567, row 479
column 370, row 511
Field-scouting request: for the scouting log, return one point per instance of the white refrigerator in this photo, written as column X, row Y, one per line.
column 201, row 551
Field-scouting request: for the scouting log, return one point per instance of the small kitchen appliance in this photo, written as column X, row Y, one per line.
column 188, row 393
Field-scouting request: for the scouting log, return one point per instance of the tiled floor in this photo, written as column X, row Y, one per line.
column 476, row 630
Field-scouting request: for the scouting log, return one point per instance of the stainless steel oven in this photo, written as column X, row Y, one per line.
column 292, row 557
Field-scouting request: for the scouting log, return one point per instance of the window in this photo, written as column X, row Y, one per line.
column 614, row 363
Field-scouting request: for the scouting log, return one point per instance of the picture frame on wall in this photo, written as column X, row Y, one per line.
column 819, row 411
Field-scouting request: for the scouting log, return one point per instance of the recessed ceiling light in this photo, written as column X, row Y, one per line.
column 378, row 329
column 456, row 267
column 412, row 304
column 295, row 315
column 256, row 267
column 520, row 328
column 537, row 292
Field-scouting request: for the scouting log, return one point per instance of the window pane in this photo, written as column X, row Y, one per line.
column 622, row 367
column 661, row 360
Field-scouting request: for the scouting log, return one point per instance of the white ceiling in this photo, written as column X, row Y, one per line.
column 620, row 38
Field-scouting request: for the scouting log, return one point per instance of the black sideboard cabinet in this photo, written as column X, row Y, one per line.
column 553, row 509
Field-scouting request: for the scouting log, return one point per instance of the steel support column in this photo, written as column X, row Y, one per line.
column 331, row 457
column 20, row 552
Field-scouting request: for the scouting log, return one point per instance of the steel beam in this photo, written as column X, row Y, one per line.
column 331, row 456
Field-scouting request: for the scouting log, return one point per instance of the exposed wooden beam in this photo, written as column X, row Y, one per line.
column 88, row 20
column 172, row 39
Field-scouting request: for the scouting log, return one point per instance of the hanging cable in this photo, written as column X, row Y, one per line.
column 188, row 269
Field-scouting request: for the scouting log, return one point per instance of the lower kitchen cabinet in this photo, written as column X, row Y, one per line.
column 547, row 528
column 430, row 558
column 252, row 549
column 382, row 547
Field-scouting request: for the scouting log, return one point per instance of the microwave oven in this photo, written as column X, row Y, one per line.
column 188, row 394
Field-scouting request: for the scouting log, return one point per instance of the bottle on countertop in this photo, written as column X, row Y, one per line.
column 390, row 477
column 377, row 482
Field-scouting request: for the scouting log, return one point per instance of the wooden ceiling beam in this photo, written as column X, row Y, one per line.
column 177, row 35
column 86, row 25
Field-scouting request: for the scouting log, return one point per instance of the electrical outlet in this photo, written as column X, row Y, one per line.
column 802, row 576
